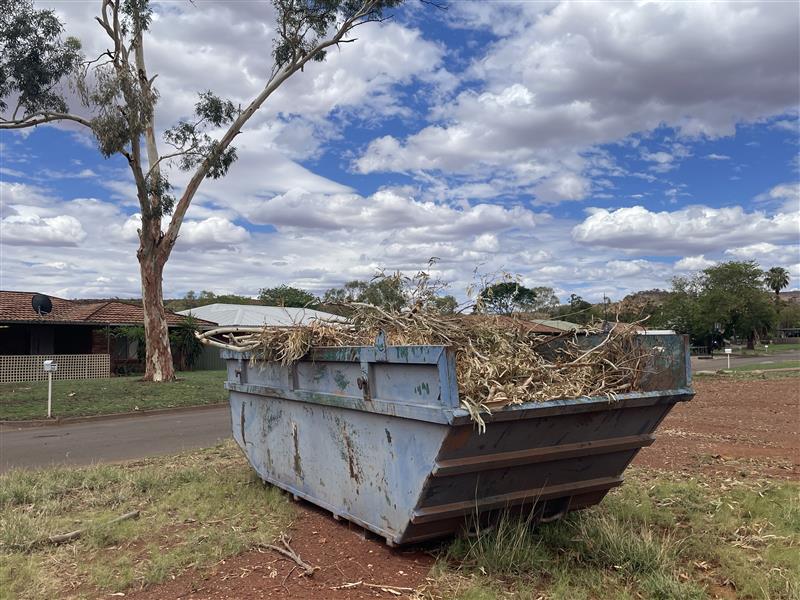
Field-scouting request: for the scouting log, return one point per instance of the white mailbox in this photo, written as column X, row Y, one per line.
column 50, row 366
column 728, row 350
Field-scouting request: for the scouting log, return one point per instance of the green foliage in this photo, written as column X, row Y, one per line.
column 286, row 295
column 396, row 291
column 192, row 142
column 789, row 315
column 385, row 292
column 508, row 297
column 576, row 310
column 133, row 333
column 725, row 300
column 776, row 279
column 445, row 305
column 33, row 57
column 215, row 110
column 303, row 24
column 185, row 347
column 193, row 299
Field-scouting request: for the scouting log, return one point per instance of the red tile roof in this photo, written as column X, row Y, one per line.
column 15, row 307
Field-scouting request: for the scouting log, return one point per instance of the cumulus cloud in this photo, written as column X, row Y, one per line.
column 575, row 75
column 214, row 232
column 766, row 253
column 408, row 219
column 694, row 263
column 691, row 228
column 560, row 187
column 27, row 230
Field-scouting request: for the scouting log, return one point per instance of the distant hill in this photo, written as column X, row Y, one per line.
column 792, row 297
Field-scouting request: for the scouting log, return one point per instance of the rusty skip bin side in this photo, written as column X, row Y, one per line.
column 376, row 436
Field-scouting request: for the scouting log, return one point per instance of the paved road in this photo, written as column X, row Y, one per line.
column 720, row 362
column 112, row 440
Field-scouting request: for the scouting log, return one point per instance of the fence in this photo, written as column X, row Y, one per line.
column 16, row 368
column 209, row 360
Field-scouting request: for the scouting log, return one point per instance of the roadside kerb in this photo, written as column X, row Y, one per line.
column 23, row 424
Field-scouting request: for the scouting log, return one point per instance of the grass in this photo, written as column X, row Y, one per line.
column 661, row 536
column 786, row 364
column 74, row 398
column 771, row 349
column 196, row 509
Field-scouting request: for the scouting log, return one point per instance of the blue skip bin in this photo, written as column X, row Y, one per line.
column 375, row 435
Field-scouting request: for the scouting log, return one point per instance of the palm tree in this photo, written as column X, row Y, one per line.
column 776, row 279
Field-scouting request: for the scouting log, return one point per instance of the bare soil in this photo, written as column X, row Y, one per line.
column 744, row 428
column 346, row 559
column 731, row 428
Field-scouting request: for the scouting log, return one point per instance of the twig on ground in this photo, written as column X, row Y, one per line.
column 289, row 553
column 63, row 538
column 391, row 589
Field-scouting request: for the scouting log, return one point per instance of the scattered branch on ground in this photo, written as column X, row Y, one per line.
column 389, row 589
column 63, row 538
column 289, row 553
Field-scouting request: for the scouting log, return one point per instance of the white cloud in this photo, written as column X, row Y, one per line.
column 213, row 232
column 767, row 253
column 715, row 156
column 27, row 230
column 691, row 228
column 694, row 263
column 567, row 77
column 785, row 195
column 560, row 187
column 408, row 220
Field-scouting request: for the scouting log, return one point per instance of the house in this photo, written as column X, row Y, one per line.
column 84, row 337
column 251, row 315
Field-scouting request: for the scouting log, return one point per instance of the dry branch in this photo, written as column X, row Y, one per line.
column 499, row 360
column 289, row 553
column 391, row 589
column 63, row 538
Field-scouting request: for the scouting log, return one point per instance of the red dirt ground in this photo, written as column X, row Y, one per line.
column 748, row 428
column 731, row 428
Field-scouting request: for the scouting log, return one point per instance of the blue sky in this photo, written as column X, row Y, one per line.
column 596, row 148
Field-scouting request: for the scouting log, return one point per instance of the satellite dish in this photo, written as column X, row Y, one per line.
column 42, row 305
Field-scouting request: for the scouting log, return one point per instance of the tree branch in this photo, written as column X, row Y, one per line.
column 40, row 118
column 275, row 81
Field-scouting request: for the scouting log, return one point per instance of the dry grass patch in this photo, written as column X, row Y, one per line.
column 658, row 537
column 196, row 509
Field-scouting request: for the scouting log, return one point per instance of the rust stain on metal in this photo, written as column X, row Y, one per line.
column 298, row 463
column 352, row 460
column 363, row 385
column 388, row 436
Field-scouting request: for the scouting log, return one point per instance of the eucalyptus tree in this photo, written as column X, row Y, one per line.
column 117, row 102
